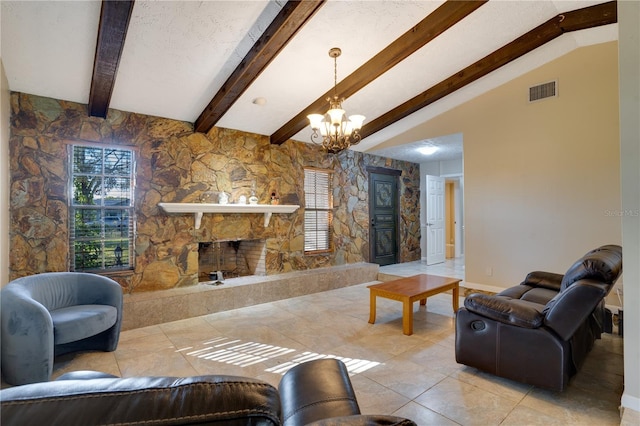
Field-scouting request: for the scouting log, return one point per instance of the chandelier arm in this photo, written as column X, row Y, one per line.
column 314, row 136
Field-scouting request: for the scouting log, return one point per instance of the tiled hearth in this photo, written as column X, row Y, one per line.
column 155, row 307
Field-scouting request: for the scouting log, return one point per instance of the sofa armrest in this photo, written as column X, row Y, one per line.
column 568, row 310
column 505, row 310
column 543, row 279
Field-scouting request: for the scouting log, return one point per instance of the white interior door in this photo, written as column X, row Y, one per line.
column 435, row 220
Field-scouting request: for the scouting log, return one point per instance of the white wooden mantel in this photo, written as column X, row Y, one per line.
column 198, row 209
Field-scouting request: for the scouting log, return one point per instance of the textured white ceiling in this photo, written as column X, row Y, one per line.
column 179, row 53
column 449, row 147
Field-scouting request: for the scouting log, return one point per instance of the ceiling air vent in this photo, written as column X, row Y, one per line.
column 543, row 91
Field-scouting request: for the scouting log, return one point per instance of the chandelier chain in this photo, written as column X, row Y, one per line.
column 335, row 76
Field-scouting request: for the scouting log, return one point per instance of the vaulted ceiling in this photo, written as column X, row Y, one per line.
column 262, row 66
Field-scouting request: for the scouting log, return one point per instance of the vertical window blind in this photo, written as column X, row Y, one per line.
column 318, row 212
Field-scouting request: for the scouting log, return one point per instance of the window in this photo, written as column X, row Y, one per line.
column 318, row 211
column 101, row 213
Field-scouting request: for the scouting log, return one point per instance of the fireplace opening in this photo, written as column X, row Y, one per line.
column 231, row 259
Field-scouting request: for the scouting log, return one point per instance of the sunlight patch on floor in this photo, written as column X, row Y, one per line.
column 244, row 354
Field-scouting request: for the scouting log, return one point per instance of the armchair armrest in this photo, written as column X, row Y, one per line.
column 505, row 310
column 26, row 332
column 543, row 279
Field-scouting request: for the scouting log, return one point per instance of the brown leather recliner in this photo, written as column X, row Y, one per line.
column 540, row 331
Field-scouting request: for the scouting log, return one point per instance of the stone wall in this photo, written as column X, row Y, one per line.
column 174, row 164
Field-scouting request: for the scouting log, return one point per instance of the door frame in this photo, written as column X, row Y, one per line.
column 396, row 174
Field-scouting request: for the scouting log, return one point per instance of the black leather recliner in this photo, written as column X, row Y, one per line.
column 316, row 392
column 540, row 331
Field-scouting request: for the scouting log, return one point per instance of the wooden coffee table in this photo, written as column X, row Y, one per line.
column 408, row 290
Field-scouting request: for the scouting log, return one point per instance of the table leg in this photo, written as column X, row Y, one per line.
column 423, row 302
column 407, row 317
column 456, row 298
column 372, row 307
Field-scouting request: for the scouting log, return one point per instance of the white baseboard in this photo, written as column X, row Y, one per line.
column 629, row 401
column 613, row 308
column 483, row 287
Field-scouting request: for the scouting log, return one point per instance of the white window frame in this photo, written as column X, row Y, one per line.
column 318, row 213
column 113, row 219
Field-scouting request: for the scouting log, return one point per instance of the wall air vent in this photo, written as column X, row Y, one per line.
column 543, row 91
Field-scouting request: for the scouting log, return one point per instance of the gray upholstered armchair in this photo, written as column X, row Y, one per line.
column 52, row 313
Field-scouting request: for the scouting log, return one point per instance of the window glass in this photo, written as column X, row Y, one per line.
column 318, row 212
column 101, row 221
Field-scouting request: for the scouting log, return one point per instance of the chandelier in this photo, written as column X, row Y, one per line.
column 338, row 133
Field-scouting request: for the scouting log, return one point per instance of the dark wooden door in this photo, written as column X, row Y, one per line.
column 383, row 216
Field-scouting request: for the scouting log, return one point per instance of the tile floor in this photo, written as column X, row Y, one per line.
column 411, row 376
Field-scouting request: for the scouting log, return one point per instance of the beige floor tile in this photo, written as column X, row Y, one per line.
column 630, row 418
column 422, row 415
column 137, row 333
column 374, row 398
column 134, row 348
column 434, row 356
column 410, row 376
column 522, row 415
column 404, row 377
column 164, row 362
column 576, row 406
column 104, row 362
column 466, row 404
column 497, row 385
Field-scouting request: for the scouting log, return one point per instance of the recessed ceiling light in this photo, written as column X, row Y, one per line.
column 427, row 150
column 260, row 101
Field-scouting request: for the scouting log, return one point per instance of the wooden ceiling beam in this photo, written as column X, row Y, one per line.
column 112, row 31
column 580, row 19
column 293, row 16
column 443, row 18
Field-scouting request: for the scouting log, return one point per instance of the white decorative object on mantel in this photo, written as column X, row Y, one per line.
column 198, row 209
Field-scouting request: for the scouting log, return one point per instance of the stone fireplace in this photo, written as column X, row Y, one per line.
column 234, row 258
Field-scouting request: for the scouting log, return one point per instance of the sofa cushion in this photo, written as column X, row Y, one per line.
column 539, row 295
column 81, row 321
column 543, row 279
column 506, row 310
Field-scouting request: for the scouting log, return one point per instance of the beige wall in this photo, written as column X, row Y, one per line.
column 541, row 179
column 4, row 176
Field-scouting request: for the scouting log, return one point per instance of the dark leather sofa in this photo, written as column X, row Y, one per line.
column 316, row 392
column 541, row 331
